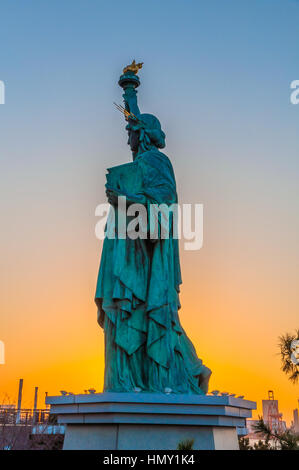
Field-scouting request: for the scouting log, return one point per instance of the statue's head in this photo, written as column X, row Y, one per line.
column 295, row 351
column 145, row 133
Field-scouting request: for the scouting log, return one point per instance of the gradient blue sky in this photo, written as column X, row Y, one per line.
column 217, row 74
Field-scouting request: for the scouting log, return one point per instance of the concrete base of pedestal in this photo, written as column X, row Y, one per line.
column 150, row 421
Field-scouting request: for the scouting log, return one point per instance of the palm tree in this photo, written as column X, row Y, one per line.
column 287, row 439
column 186, row 445
column 288, row 367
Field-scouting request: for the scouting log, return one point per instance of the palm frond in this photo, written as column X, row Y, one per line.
column 285, row 352
column 288, row 440
column 187, row 444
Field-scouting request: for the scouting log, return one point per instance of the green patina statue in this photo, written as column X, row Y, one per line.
column 137, row 294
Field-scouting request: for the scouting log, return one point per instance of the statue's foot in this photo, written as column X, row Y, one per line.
column 203, row 379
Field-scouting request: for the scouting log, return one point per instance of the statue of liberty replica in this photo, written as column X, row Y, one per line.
column 137, row 294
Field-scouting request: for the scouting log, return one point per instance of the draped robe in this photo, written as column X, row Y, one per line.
column 137, row 296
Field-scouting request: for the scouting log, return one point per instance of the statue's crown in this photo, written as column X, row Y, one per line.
column 126, row 113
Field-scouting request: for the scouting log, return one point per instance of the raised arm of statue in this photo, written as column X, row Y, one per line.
column 130, row 100
column 129, row 81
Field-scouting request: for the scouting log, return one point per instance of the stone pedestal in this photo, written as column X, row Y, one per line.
column 150, row 421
